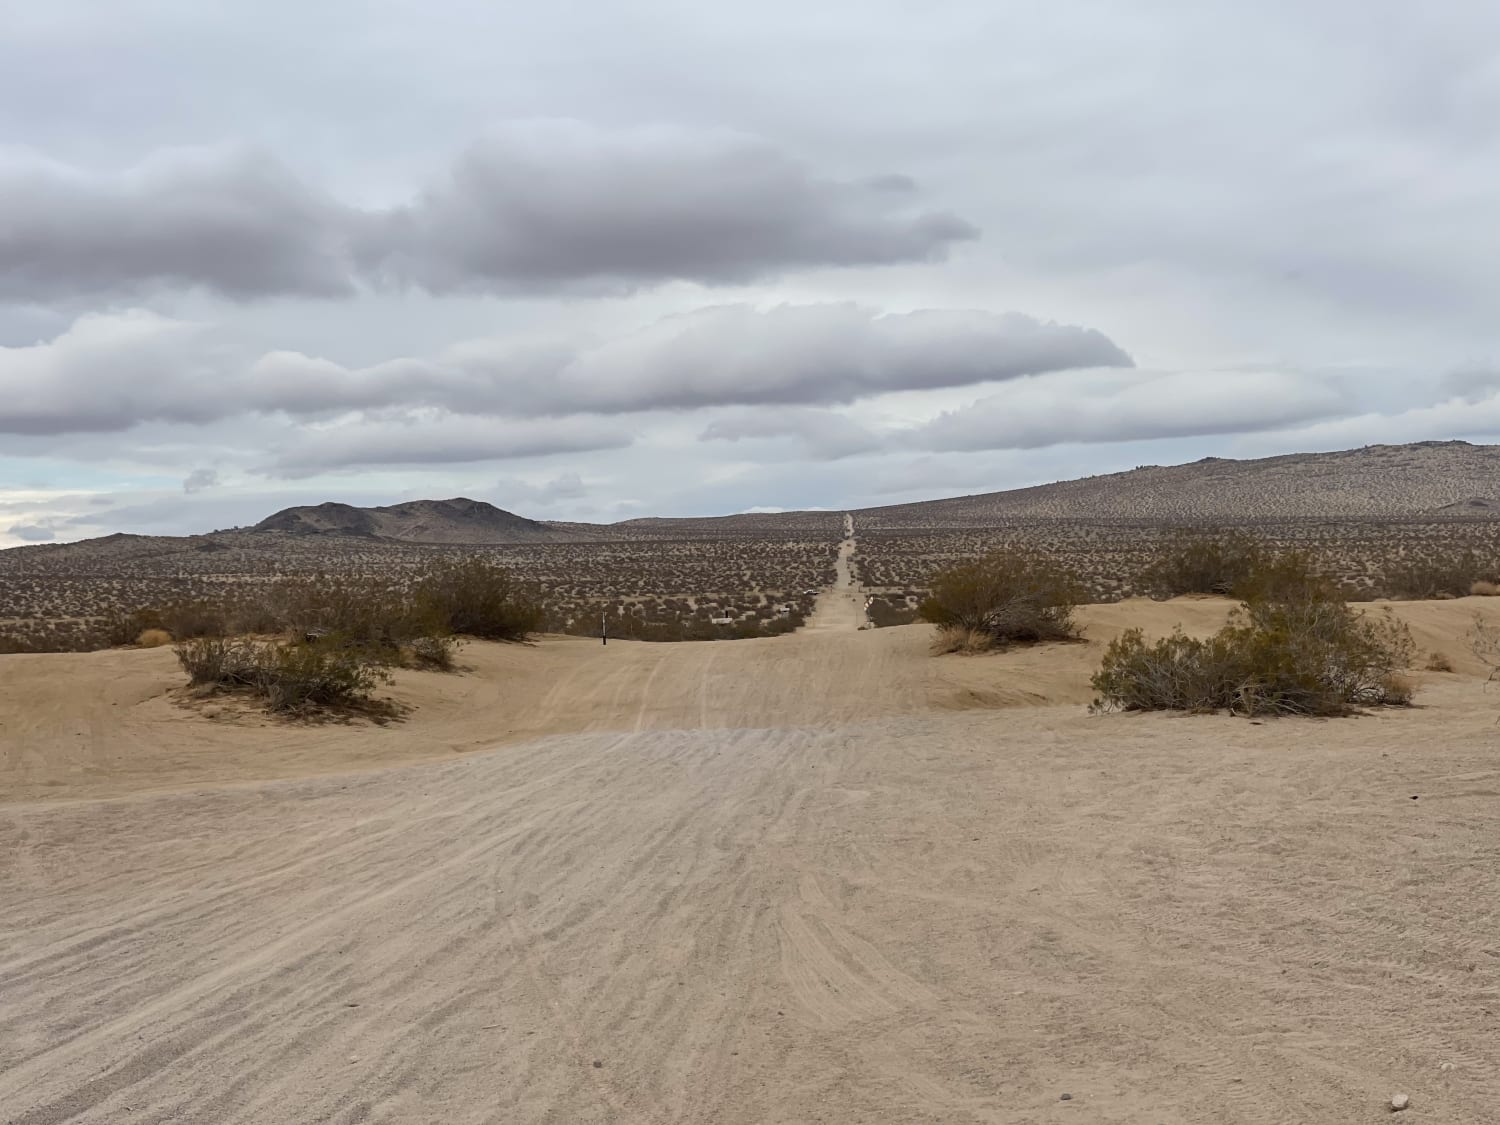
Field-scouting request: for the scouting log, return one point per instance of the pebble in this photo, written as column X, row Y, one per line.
column 1066, row 1098
column 598, row 1063
column 1445, row 1066
column 1399, row 1102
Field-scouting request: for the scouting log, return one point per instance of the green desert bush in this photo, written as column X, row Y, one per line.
column 1421, row 578
column 1293, row 648
column 289, row 676
column 434, row 652
column 1009, row 597
column 381, row 618
column 887, row 611
column 1202, row 562
column 220, row 661
column 474, row 597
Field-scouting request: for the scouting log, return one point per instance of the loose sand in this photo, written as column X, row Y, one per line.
column 820, row 878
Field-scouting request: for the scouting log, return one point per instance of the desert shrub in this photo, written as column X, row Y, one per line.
column 1484, row 589
column 1439, row 662
column 477, row 598
column 185, row 620
column 1296, row 650
column 433, row 652
column 289, row 676
column 389, row 623
column 220, row 661
column 121, row 628
column 371, row 615
column 885, row 612
column 784, row 623
column 11, row 645
column 1010, row 596
column 1189, row 562
column 181, row 621
column 153, row 638
column 1422, row 578
column 296, row 677
column 1286, row 579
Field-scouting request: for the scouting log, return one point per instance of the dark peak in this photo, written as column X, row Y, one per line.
column 455, row 520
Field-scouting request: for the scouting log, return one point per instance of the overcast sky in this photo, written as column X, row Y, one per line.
column 658, row 257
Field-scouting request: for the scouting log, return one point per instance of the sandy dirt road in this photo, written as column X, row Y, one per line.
column 802, row 880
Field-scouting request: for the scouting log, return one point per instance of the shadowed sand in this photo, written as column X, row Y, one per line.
column 822, row 877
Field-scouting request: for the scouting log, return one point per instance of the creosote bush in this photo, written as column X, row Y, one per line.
column 1293, row 648
column 479, row 599
column 290, row 676
column 1421, row 578
column 338, row 638
column 1192, row 562
column 1005, row 598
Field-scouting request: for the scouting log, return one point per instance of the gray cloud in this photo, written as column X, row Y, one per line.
column 543, row 206
column 1472, row 383
column 200, row 479
column 233, row 221
column 823, row 354
column 1091, row 407
column 533, row 208
column 436, row 440
column 31, row 533
column 513, row 492
column 110, row 372
column 823, row 435
column 723, row 355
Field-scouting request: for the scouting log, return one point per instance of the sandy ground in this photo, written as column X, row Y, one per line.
column 820, row 878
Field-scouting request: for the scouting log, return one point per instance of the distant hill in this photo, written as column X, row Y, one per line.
column 459, row 520
column 1444, row 480
column 1441, row 482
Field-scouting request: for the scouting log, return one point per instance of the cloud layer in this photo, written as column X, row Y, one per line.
column 533, row 208
column 114, row 371
column 437, row 439
column 1092, row 407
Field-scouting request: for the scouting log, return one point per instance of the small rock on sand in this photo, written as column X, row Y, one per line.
column 1399, row 1102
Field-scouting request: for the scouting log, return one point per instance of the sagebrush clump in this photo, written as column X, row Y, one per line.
column 1008, row 598
column 1294, row 647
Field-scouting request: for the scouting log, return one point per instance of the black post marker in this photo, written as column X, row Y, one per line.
column 603, row 628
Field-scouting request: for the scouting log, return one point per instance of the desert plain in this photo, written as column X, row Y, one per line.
column 820, row 877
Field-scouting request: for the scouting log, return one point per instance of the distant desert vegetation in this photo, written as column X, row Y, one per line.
column 1413, row 521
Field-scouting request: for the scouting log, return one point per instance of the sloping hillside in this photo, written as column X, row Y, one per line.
column 1441, row 480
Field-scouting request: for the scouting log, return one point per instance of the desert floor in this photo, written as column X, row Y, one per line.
column 820, row 878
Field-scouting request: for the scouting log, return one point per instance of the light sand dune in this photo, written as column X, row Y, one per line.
column 823, row 877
